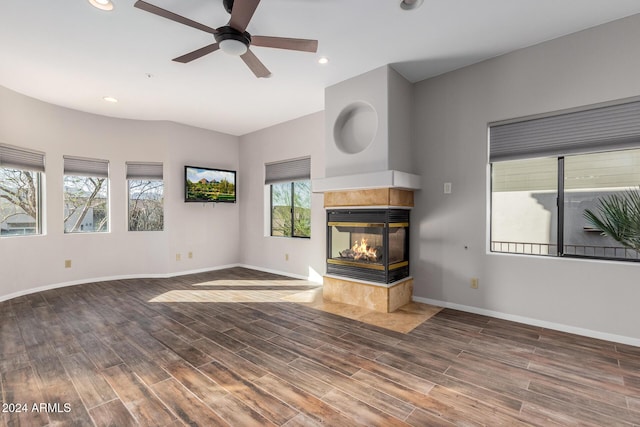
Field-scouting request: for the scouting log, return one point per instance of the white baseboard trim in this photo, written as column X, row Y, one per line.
column 109, row 278
column 281, row 273
column 533, row 322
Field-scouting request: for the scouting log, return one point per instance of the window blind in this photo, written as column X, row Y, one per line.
column 20, row 158
column 86, row 167
column 612, row 127
column 288, row 170
column 144, row 170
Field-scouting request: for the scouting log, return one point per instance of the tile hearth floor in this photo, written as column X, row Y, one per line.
column 403, row 320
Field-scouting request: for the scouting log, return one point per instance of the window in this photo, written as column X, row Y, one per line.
column 86, row 195
column 290, row 197
column 568, row 185
column 145, row 188
column 20, row 185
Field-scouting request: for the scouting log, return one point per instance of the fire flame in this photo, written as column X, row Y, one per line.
column 363, row 250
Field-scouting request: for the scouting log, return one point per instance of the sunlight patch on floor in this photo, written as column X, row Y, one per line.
column 216, row 284
column 239, row 291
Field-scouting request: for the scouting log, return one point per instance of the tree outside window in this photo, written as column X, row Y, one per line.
column 85, row 204
column 146, row 211
column 291, row 209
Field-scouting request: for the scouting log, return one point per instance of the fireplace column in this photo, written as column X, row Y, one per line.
column 368, row 164
column 372, row 269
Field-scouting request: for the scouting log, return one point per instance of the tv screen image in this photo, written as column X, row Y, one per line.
column 209, row 185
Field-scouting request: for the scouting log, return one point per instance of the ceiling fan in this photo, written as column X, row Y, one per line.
column 233, row 37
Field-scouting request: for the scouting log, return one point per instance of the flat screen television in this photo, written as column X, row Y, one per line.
column 209, row 185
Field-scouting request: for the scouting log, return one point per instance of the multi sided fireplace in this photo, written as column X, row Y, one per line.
column 368, row 244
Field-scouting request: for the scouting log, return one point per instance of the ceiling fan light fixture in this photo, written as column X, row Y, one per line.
column 233, row 47
column 410, row 4
column 232, row 41
column 232, row 38
column 102, row 4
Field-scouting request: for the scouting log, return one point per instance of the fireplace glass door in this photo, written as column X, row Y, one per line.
column 361, row 244
column 368, row 244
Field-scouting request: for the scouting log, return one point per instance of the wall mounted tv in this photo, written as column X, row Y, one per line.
column 209, row 185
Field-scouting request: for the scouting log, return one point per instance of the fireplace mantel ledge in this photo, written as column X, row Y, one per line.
column 383, row 179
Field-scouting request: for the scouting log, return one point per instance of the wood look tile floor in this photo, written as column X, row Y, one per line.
column 224, row 348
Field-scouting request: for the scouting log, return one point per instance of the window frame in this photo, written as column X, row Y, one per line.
column 290, row 172
column 129, row 180
column 79, row 167
column 23, row 160
column 611, row 126
column 144, row 171
column 39, row 220
column 291, row 210
column 560, row 213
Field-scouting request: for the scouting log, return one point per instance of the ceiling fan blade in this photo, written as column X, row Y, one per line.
column 255, row 65
column 304, row 45
column 140, row 4
column 241, row 13
column 198, row 53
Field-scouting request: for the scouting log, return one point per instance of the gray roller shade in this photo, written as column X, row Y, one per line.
column 144, row 170
column 288, row 170
column 86, row 167
column 19, row 158
column 605, row 128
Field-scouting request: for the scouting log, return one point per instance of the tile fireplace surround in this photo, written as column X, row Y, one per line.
column 380, row 292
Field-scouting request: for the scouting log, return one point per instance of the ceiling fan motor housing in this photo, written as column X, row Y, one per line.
column 228, row 33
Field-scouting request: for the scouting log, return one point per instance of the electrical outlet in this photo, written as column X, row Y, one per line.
column 67, row 263
column 178, row 257
column 190, row 255
column 474, row 283
column 447, row 188
column 286, row 257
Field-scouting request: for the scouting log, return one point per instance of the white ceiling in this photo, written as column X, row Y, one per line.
column 69, row 53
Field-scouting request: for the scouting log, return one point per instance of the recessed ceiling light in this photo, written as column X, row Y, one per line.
column 323, row 60
column 410, row 4
column 110, row 99
column 102, row 4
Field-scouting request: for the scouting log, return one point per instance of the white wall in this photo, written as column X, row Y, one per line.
column 450, row 127
column 209, row 230
column 28, row 263
column 293, row 139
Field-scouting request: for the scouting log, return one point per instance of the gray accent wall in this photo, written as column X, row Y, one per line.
column 450, row 231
